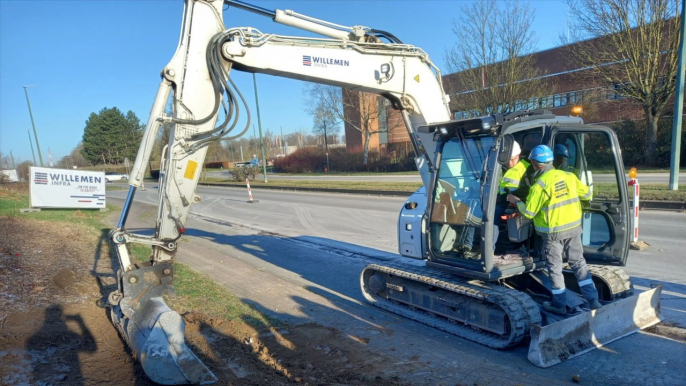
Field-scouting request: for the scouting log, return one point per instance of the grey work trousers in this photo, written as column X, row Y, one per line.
column 553, row 250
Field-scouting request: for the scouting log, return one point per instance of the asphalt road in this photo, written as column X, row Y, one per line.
column 299, row 255
column 644, row 178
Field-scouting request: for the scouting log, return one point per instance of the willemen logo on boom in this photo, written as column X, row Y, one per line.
column 317, row 61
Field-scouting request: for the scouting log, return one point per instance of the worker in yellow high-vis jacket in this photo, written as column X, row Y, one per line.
column 554, row 203
column 515, row 174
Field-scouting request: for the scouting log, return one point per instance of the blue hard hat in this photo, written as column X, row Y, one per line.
column 561, row 149
column 541, row 154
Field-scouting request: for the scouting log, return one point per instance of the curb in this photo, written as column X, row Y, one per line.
column 679, row 206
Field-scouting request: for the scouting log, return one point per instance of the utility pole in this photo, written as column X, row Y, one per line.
column 12, row 158
column 678, row 107
column 34, row 126
column 259, row 124
column 31, row 143
column 326, row 146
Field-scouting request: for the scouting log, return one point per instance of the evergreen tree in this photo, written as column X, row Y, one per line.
column 109, row 136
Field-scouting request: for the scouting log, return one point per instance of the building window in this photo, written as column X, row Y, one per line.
column 559, row 100
column 383, row 119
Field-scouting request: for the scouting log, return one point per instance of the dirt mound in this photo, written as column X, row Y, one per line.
column 55, row 327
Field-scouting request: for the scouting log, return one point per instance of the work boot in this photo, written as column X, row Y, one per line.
column 555, row 310
column 467, row 252
column 595, row 304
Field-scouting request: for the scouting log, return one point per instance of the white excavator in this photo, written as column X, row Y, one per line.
column 482, row 281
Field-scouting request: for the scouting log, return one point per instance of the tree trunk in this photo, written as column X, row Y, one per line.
column 367, row 135
column 651, row 137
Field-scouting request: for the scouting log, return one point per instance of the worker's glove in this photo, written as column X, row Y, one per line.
column 513, row 199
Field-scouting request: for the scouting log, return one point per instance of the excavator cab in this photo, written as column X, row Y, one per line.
column 470, row 227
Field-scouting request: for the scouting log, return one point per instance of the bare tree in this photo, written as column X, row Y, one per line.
column 359, row 110
column 632, row 49
column 325, row 123
column 495, row 74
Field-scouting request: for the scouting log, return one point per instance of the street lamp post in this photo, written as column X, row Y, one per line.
column 259, row 125
column 31, row 143
column 326, row 146
column 678, row 107
column 34, row 126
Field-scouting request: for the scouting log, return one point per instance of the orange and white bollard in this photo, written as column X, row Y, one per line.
column 634, row 182
column 247, row 182
column 635, row 243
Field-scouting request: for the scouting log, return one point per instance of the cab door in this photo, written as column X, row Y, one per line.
column 595, row 157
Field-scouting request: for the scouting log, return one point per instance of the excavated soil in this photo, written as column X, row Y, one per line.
column 55, row 327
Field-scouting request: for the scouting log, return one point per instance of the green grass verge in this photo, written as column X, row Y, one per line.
column 194, row 291
column 11, row 202
column 650, row 192
column 351, row 185
column 658, row 192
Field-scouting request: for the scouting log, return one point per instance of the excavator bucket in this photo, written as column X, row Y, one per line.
column 154, row 332
column 581, row 333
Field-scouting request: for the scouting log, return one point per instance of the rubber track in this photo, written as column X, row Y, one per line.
column 521, row 310
column 616, row 278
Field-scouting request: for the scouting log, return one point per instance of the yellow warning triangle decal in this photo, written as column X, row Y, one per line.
column 416, row 78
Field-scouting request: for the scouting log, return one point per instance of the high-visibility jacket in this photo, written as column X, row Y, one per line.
column 513, row 176
column 554, row 201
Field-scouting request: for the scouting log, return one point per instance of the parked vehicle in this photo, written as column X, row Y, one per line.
column 112, row 176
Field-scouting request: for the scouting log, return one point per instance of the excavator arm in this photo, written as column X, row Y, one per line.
column 198, row 83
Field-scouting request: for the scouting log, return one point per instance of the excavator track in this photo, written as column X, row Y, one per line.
column 613, row 283
column 482, row 312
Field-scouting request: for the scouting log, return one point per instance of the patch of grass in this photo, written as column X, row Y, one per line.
column 195, row 292
column 334, row 173
column 350, row 185
column 653, row 192
column 116, row 187
column 641, row 170
column 140, row 252
column 659, row 192
column 11, row 202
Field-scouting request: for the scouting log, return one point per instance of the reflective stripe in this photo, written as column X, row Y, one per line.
column 587, row 195
column 522, row 208
column 563, row 203
column 511, row 181
column 558, row 228
column 558, row 291
column 541, row 184
column 585, row 282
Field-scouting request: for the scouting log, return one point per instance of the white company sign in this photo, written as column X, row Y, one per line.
column 64, row 188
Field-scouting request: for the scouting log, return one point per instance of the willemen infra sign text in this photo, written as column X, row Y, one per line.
column 63, row 188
